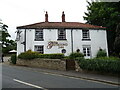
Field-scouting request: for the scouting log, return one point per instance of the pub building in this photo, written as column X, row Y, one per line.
column 61, row 37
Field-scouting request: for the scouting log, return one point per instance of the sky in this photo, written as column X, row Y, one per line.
column 23, row 12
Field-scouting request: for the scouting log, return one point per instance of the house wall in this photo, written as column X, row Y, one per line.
column 98, row 40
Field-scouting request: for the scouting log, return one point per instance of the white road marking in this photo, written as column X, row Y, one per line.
column 29, row 84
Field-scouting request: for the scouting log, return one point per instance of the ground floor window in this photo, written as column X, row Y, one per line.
column 39, row 48
column 87, row 50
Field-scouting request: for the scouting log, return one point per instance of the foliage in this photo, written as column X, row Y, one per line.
column 7, row 44
column 28, row 55
column 101, row 53
column 108, row 58
column 101, row 65
column 75, row 55
column 52, row 56
column 106, row 14
column 13, row 58
column 117, row 40
column 32, row 55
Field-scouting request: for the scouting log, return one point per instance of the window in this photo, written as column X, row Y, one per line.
column 39, row 35
column 87, row 51
column 61, row 34
column 85, row 34
column 39, row 49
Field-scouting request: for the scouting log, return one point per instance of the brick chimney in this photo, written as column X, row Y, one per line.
column 46, row 17
column 63, row 17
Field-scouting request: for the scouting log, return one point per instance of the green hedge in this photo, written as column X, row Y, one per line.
column 13, row 58
column 75, row 55
column 102, row 65
column 52, row 56
column 101, row 53
column 28, row 55
column 32, row 55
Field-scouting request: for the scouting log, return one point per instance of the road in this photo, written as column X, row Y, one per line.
column 23, row 77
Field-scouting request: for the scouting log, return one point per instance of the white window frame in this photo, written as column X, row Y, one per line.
column 87, row 50
column 85, row 35
column 39, row 35
column 39, row 48
column 61, row 34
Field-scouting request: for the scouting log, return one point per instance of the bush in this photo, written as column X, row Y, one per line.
column 28, row 55
column 102, row 65
column 52, row 56
column 13, row 59
column 101, row 53
column 108, row 58
column 75, row 55
column 32, row 55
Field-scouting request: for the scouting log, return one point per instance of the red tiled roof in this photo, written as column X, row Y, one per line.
column 68, row 25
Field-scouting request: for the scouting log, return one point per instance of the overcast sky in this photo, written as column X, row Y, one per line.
column 22, row 12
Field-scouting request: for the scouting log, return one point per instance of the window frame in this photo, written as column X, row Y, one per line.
column 61, row 35
column 40, row 51
column 85, row 35
column 87, row 51
column 39, row 37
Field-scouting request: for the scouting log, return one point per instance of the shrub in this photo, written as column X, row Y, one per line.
column 75, row 55
column 101, row 53
column 32, row 55
column 102, row 65
column 108, row 58
column 28, row 55
column 13, row 59
column 52, row 56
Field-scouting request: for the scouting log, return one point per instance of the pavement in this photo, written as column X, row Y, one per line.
column 114, row 80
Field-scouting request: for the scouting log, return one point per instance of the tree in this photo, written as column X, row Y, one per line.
column 7, row 44
column 117, row 40
column 106, row 14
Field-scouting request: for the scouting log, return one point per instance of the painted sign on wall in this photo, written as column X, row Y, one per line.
column 55, row 43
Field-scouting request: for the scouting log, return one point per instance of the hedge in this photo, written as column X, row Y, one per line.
column 75, row 55
column 32, row 55
column 28, row 55
column 51, row 56
column 102, row 65
column 13, row 58
column 101, row 53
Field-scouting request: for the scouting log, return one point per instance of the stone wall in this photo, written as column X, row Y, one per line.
column 56, row 64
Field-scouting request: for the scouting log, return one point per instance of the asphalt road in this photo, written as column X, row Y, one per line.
column 22, row 77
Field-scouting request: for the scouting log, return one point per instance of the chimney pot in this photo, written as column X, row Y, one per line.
column 46, row 17
column 63, row 17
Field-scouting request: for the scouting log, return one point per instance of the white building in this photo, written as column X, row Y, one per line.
column 61, row 37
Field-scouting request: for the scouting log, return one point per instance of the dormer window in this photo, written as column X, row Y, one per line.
column 61, row 34
column 85, row 35
column 39, row 35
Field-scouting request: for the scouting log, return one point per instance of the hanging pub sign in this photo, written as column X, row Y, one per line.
column 55, row 43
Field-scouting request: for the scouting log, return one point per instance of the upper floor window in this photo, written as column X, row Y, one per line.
column 61, row 34
column 85, row 35
column 39, row 35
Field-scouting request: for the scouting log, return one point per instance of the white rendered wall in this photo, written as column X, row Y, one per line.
column 20, row 47
column 98, row 40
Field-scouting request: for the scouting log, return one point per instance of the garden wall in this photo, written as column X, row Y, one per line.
column 56, row 64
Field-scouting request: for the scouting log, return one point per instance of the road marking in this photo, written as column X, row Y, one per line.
column 29, row 84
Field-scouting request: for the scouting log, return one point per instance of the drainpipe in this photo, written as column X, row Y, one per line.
column 25, row 41
column 72, row 40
